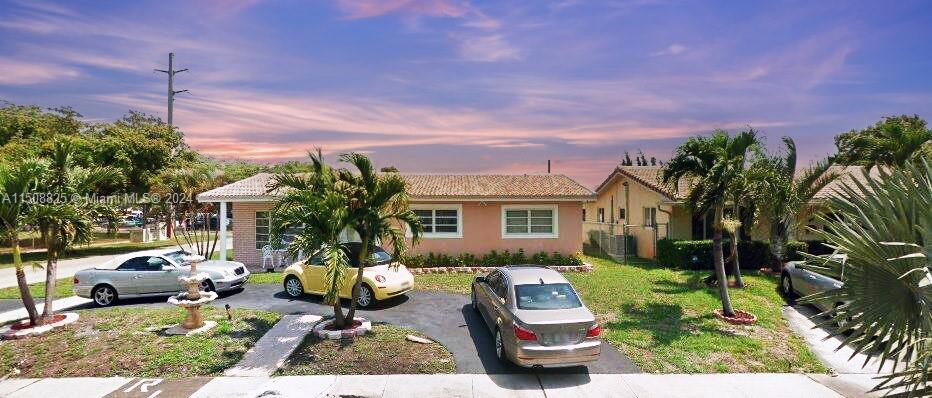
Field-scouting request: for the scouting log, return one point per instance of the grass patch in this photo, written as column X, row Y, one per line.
column 662, row 319
column 267, row 278
column 63, row 288
column 122, row 342
column 451, row 283
column 384, row 351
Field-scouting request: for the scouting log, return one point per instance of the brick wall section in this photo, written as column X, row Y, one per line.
column 244, row 232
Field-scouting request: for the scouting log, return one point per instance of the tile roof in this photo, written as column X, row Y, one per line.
column 649, row 176
column 846, row 174
column 434, row 186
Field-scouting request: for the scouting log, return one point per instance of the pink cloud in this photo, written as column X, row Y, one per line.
column 357, row 9
column 17, row 72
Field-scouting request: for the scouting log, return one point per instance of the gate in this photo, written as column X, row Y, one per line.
column 623, row 241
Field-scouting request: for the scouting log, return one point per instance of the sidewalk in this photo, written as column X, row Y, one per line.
column 66, row 268
column 466, row 386
column 57, row 305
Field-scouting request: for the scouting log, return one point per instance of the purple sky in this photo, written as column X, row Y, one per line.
column 459, row 86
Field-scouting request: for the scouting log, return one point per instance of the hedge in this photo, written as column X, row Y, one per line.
column 491, row 259
column 752, row 254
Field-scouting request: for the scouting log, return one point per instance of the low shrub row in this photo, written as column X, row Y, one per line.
column 491, row 259
column 697, row 254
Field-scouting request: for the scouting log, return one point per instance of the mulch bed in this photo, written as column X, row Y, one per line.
column 740, row 318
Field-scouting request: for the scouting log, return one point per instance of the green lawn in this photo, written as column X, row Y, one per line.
column 263, row 278
column 662, row 319
column 383, row 351
column 128, row 342
column 62, row 289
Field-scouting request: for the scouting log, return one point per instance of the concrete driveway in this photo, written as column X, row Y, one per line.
column 446, row 318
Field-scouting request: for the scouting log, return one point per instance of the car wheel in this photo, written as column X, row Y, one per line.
column 207, row 285
column 366, row 298
column 293, row 286
column 104, row 295
column 500, row 346
column 475, row 303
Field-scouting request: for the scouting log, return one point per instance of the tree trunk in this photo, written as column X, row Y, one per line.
column 777, row 245
column 28, row 301
column 51, row 269
column 719, row 261
column 338, row 321
column 739, row 283
column 363, row 258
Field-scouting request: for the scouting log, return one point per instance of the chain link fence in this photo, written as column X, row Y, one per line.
column 622, row 241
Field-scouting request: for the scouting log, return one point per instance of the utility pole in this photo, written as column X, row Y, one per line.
column 171, row 84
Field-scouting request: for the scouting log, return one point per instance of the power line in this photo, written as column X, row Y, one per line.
column 171, row 84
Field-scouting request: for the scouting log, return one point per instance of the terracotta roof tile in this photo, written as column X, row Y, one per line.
column 437, row 186
column 649, row 176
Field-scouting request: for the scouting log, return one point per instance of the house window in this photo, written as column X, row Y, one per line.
column 584, row 215
column 529, row 221
column 263, row 228
column 650, row 217
column 600, row 217
column 440, row 221
column 621, row 214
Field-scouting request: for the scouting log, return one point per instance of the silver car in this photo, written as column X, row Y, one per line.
column 536, row 317
column 796, row 280
column 153, row 273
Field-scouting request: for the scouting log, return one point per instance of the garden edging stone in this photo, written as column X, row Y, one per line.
column 473, row 270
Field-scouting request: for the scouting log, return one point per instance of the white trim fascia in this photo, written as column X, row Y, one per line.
column 556, row 222
column 440, row 235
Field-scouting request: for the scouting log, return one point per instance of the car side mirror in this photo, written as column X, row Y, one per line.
column 480, row 279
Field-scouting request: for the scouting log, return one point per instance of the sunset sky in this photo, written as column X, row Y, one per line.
column 476, row 87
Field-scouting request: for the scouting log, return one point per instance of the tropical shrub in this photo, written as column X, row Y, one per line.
column 697, row 254
column 887, row 236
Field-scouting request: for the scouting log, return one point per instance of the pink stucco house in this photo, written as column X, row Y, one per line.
column 461, row 213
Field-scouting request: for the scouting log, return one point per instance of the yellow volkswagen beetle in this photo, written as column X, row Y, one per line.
column 380, row 280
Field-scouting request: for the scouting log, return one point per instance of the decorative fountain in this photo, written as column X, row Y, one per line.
column 192, row 300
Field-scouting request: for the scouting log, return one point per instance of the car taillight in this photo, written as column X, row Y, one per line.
column 380, row 279
column 524, row 334
column 594, row 331
column 76, row 280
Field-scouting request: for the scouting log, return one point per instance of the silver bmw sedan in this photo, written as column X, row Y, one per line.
column 536, row 317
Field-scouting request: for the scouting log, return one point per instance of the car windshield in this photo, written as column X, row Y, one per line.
column 177, row 257
column 378, row 257
column 550, row 296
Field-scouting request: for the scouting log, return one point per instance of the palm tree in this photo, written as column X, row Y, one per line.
column 780, row 195
column 893, row 141
column 379, row 212
column 17, row 183
column 68, row 220
column 315, row 205
column 887, row 236
column 713, row 164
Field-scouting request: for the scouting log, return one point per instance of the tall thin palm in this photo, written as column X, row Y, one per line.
column 887, row 236
column 712, row 164
column 379, row 212
column 315, row 207
column 68, row 221
column 17, row 183
column 781, row 196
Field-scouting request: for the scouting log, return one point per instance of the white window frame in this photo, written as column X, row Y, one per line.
column 441, row 235
column 650, row 221
column 531, row 235
column 268, row 233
